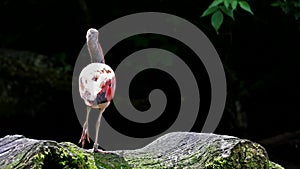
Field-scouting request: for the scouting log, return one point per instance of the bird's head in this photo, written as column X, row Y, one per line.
column 92, row 34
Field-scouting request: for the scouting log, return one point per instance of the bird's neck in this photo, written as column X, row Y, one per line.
column 95, row 52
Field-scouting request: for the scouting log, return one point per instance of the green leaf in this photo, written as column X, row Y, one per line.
column 244, row 5
column 227, row 11
column 297, row 4
column 277, row 3
column 297, row 15
column 217, row 20
column 209, row 10
column 215, row 3
column 234, row 4
column 226, row 3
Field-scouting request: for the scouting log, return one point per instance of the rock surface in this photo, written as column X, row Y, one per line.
column 173, row 150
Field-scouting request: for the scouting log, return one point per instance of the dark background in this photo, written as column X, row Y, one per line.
column 40, row 41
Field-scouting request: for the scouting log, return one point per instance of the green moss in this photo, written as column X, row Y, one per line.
column 244, row 155
column 63, row 155
column 273, row 165
column 110, row 161
column 67, row 155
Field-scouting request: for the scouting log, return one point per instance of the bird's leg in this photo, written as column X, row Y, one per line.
column 97, row 130
column 85, row 129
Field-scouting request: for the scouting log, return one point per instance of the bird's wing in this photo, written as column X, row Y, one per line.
column 94, row 46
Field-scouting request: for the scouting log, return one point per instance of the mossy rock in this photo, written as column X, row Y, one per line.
column 173, row 150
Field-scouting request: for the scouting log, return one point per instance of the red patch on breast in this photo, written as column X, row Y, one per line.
column 108, row 88
column 108, row 94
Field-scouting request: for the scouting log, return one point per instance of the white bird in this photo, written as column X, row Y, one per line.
column 97, row 85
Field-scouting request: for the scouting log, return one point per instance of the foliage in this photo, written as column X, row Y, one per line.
column 291, row 7
column 218, row 8
column 27, row 77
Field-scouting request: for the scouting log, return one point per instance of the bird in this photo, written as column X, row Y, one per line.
column 97, row 84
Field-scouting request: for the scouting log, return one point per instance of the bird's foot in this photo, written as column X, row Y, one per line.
column 97, row 150
column 101, row 151
column 84, row 135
